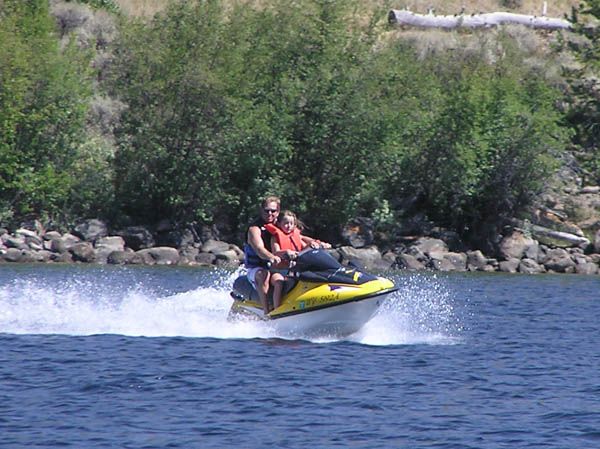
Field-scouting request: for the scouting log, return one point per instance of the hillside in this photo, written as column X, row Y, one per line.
column 562, row 198
column 195, row 116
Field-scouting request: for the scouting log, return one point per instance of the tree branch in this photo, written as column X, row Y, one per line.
column 404, row 17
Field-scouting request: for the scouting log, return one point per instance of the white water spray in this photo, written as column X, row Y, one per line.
column 421, row 312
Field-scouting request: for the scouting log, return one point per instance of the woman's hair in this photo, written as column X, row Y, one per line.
column 289, row 213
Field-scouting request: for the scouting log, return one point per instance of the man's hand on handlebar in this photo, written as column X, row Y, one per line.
column 274, row 260
column 290, row 255
column 316, row 244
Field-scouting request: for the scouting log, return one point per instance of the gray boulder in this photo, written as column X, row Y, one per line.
column 32, row 225
column 358, row 233
column 16, row 242
column 595, row 258
column 214, row 246
column 532, row 251
column 52, row 235
column 160, row 255
column 389, row 258
column 514, row 245
column 368, row 257
column 417, row 254
column 530, row 266
column 586, row 268
column 176, row 238
column 590, row 226
column 43, row 256
column 91, row 230
column 62, row 257
column 206, row 232
column 35, row 246
column 451, row 238
column 29, row 256
column 187, row 255
column 410, row 262
column 126, row 257
column 114, row 243
column 448, row 261
column 83, row 252
column 13, row 255
column 137, row 237
column 559, row 261
column 63, row 244
column 428, row 245
column 509, row 266
column 227, row 258
column 384, row 264
column 205, row 258
column 476, row 261
column 31, row 238
column 239, row 253
column 106, row 245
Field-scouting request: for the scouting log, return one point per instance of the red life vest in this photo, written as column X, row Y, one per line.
column 291, row 241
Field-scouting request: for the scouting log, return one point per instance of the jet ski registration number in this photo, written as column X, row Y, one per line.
column 321, row 299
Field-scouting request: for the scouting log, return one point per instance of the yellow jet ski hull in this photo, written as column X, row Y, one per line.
column 327, row 309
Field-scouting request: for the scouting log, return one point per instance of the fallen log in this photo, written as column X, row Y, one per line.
column 405, row 17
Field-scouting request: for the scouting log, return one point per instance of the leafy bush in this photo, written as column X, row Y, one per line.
column 584, row 112
column 307, row 101
column 490, row 144
column 42, row 111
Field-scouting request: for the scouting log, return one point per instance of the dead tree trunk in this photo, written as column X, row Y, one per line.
column 404, row 17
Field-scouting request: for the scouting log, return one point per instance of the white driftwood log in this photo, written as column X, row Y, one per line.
column 404, row 17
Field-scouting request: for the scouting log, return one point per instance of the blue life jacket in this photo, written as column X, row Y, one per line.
column 251, row 259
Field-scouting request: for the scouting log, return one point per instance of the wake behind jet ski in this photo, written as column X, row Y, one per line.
column 320, row 297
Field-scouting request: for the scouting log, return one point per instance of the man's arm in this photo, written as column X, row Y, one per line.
column 256, row 242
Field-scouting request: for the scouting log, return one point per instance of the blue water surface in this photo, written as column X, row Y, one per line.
column 104, row 357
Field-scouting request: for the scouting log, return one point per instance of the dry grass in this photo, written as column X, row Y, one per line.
column 556, row 8
column 143, row 8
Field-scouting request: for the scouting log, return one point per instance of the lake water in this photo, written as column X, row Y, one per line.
column 109, row 357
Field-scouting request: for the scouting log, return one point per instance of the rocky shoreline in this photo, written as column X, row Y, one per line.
column 527, row 248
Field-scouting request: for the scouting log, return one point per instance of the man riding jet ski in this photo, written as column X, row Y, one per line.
column 320, row 296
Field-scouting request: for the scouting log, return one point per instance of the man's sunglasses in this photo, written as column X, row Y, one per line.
column 270, row 211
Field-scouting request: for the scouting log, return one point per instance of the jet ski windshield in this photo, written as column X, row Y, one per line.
column 316, row 260
column 316, row 265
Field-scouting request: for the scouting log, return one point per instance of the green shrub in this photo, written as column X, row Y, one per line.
column 42, row 110
column 584, row 104
column 490, row 145
column 309, row 102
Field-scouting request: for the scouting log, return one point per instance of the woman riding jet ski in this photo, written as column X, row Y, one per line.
column 320, row 297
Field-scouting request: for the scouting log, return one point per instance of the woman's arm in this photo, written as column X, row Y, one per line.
column 313, row 243
column 275, row 245
column 284, row 254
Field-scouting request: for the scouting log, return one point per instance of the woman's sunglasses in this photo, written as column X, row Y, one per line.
column 270, row 211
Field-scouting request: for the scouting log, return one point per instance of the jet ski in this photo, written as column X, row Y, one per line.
column 321, row 297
